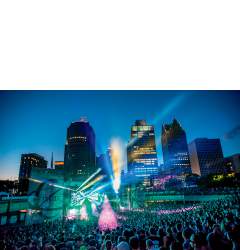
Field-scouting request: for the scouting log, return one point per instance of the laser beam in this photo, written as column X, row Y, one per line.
column 50, row 184
column 88, row 179
column 91, row 183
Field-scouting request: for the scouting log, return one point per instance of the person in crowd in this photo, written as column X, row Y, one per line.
column 149, row 244
column 216, row 240
column 123, row 245
column 134, row 243
column 108, row 245
column 186, row 236
column 157, row 242
column 197, row 242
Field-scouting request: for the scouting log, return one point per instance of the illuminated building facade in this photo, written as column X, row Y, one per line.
column 141, row 151
column 206, row 156
column 13, row 210
column 80, row 155
column 45, row 195
column 175, row 149
column 28, row 162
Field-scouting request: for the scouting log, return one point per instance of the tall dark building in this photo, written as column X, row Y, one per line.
column 141, row 151
column 206, row 156
column 29, row 161
column 80, row 155
column 175, row 149
column 232, row 163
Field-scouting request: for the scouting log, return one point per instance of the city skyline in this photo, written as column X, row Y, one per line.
column 37, row 121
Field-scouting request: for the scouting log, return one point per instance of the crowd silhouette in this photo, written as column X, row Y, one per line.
column 213, row 225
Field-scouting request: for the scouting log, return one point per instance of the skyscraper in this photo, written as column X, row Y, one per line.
column 175, row 149
column 141, row 151
column 80, row 155
column 29, row 161
column 206, row 156
column 232, row 163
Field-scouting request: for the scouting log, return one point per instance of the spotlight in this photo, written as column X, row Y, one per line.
column 117, row 162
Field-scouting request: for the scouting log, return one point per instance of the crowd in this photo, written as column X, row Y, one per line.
column 213, row 225
column 196, row 191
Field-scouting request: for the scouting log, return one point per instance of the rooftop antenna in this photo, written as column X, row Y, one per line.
column 83, row 119
column 52, row 161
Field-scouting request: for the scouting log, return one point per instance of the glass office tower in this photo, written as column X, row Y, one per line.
column 141, row 151
column 206, row 156
column 175, row 149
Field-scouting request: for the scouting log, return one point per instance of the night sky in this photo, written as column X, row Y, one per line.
column 36, row 121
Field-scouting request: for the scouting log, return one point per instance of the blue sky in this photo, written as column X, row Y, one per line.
column 36, row 121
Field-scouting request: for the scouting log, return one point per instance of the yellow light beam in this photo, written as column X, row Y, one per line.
column 116, row 157
column 92, row 182
column 88, row 179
